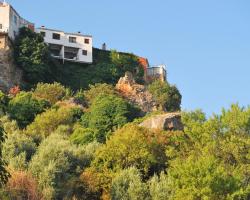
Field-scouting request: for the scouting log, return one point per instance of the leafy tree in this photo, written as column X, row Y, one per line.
column 21, row 185
column 47, row 122
column 127, row 185
column 167, row 96
column 32, row 55
column 50, row 92
column 18, row 150
column 130, row 146
column 98, row 89
column 159, row 187
column 23, row 108
column 106, row 114
column 82, row 135
column 56, row 164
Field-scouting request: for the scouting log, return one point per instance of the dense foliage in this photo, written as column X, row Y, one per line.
column 88, row 144
column 166, row 95
column 85, row 145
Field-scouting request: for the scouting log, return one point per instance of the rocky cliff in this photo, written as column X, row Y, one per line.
column 136, row 94
column 10, row 75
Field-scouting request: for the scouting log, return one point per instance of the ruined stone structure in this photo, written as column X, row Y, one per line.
column 167, row 122
column 10, row 75
column 135, row 93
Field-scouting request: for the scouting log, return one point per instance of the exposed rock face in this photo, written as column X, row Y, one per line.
column 168, row 121
column 135, row 93
column 10, row 75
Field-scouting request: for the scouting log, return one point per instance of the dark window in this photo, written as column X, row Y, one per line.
column 84, row 52
column 86, row 41
column 1, row 26
column 56, row 36
column 43, row 34
column 15, row 19
column 72, row 39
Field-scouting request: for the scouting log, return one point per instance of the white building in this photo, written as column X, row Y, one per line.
column 68, row 46
column 11, row 21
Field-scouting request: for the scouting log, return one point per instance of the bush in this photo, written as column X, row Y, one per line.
column 23, row 108
column 50, row 92
column 167, row 96
column 3, row 103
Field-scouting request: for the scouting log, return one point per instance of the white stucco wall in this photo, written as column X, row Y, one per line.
column 64, row 41
column 4, row 17
column 7, row 19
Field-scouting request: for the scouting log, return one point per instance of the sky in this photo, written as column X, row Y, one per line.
column 205, row 44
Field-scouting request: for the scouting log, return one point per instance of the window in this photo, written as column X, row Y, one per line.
column 86, row 41
column 15, row 19
column 56, row 36
column 72, row 39
column 43, row 33
column 84, row 52
column 1, row 26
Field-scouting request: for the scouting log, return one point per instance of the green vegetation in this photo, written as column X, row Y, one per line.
column 166, row 95
column 33, row 56
column 87, row 144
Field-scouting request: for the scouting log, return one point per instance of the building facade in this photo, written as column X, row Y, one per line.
column 11, row 21
column 68, row 46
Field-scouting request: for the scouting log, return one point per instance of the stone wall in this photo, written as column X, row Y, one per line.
column 10, row 75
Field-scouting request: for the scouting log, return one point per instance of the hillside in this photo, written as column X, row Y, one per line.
column 97, row 132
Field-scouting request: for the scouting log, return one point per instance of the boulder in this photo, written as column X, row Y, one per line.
column 167, row 122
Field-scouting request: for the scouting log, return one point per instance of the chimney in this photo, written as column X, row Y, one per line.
column 104, row 46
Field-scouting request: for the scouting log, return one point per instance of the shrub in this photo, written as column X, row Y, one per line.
column 3, row 103
column 167, row 96
column 50, row 92
column 23, row 108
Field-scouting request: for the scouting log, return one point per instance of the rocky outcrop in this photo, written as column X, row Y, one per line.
column 167, row 121
column 135, row 93
column 10, row 75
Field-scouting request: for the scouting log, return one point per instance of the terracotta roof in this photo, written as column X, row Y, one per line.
column 144, row 62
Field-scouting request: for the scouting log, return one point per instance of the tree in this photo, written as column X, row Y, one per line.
column 128, row 185
column 47, row 122
column 32, row 55
column 131, row 146
column 23, row 108
column 56, row 167
column 167, row 96
column 50, row 92
column 106, row 114
column 82, row 135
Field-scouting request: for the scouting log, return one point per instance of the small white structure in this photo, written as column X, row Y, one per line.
column 157, row 72
column 11, row 21
column 68, row 46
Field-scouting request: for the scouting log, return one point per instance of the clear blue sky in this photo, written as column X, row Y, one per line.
column 206, row 44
